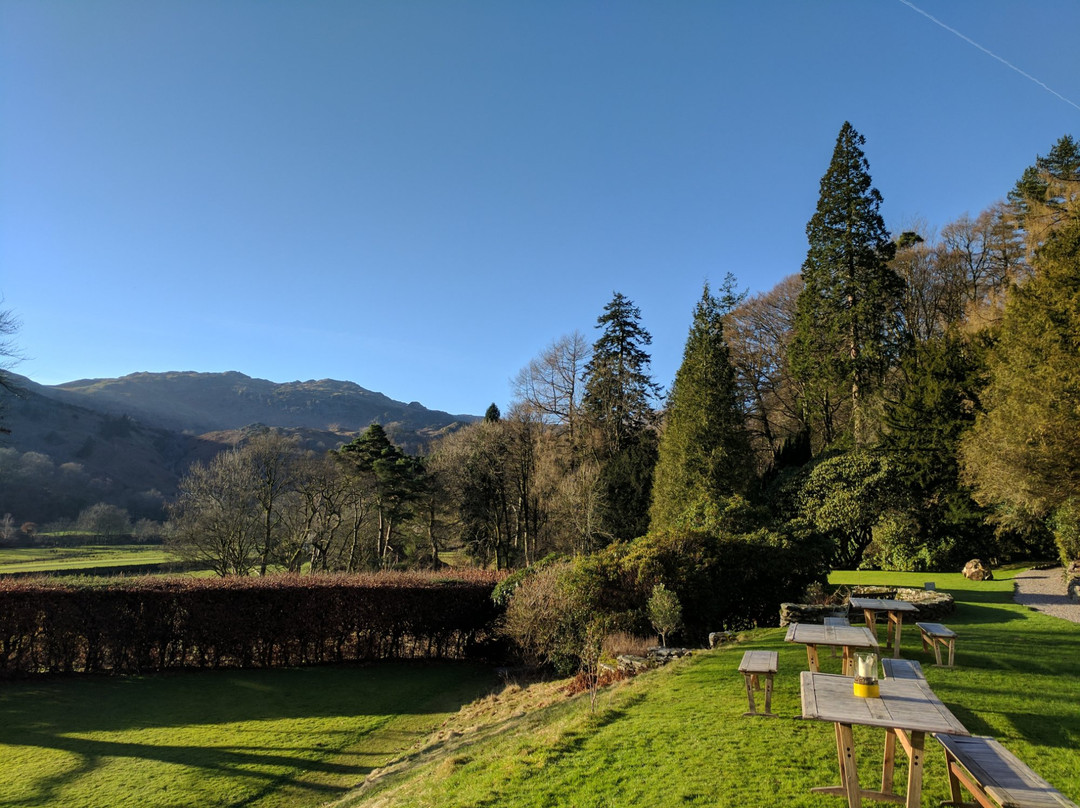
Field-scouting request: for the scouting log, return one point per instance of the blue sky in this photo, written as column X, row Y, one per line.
column 420, row 196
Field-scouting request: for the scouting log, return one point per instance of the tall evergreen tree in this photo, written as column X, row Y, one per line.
column 704, row 452
column 617, row 403
column 618, row 388
column 846, row 322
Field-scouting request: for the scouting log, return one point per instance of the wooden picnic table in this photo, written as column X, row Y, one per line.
column 896, row 608
column 848, row 637
column 907, row 709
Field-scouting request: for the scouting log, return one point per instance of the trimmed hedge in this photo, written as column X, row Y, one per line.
column 153, row 624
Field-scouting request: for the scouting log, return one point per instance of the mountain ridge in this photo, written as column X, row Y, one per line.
column 128, row 440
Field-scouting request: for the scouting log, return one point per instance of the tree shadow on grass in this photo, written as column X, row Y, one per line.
column 320, row 757
column 242, row 763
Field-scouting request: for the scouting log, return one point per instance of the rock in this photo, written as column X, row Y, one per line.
column 809, row 612
column 720, row 637
column 1073, row 570
column 977, row 570
column 660, row 655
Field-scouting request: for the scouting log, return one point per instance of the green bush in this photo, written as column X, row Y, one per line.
column 1065, row 524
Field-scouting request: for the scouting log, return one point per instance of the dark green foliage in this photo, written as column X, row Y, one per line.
column 847, row 316
column 940, row 383
column 704, row 453
column 840, row 499
column 396, row 478
column 149, row 624
column 618, row 406
column 721, row 582
column 492, row 415
column 618, row 388
column 626, row 481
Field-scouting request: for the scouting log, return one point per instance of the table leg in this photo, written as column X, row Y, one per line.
column 870, row 618
column 888, row 764
column 897, row 620
column 811, row 657
column 849, row 772
column 916, row 744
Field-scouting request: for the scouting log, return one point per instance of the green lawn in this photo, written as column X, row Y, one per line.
column 295, row 737
column 677, row 737
column 671, row 737
column 49, row 559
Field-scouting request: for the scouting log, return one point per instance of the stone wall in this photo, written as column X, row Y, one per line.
column 934, row 606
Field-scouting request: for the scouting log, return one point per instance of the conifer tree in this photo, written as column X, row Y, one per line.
column 704, row 453
column 618, row 388
column 846, row 323
column 617, row 403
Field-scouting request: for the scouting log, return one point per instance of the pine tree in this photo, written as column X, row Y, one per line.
column 618, row 388
column 704, row 453
column 617, row 403
column 846, row 322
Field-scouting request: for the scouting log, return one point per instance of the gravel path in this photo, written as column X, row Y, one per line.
column 1044, row 591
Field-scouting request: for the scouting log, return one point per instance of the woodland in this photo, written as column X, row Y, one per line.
column 905, row 402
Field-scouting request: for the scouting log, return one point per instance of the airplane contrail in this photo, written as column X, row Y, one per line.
column 970, row 41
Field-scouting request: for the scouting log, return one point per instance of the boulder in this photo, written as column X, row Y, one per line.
column 720, row 637
column 1073, row 570
column 809, row 612
column 978, row 570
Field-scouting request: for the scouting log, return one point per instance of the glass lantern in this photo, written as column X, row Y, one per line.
column 866, row 675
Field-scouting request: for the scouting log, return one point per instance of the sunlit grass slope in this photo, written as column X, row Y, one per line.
column 677, row 736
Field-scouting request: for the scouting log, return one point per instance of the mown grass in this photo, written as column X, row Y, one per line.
column 672, row 737
column 50, row 559
column 677, row 736
column 297, row 737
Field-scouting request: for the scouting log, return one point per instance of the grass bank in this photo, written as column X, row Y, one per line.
column 676, row 736
column 264, row 738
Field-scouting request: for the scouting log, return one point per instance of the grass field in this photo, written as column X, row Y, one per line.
column 671, row 737
column 52, row 559
column 294, row 737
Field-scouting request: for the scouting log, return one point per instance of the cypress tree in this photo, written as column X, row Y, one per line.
column 847, row 316
column 704, row 452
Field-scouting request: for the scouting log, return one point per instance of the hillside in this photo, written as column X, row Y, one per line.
column 128, row 441
column 205, row 402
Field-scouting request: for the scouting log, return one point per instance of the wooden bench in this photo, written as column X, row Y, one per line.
column 896, row 668
column 757, row 665
column 995, row 776
column 935, row 634
column 836, row 621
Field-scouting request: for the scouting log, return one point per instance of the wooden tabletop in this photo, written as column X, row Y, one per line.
column 815, row 634
column 907, row 704
column 883, row 605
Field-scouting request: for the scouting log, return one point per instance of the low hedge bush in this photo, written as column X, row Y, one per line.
column 150, row 624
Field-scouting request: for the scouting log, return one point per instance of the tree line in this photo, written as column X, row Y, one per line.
column 905, row 401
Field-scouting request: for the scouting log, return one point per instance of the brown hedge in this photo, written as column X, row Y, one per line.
column 152, row 624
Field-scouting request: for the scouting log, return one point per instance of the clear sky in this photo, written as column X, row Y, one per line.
column 420, row 196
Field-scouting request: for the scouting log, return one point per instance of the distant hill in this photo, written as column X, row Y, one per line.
column 128, row 441
column 204, row 402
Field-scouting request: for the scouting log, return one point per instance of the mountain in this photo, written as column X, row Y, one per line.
column 128, row 441
column 204, row 402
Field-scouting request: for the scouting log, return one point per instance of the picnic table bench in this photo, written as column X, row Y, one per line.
column 995, row 776
column 934, row 635
column 901, row 668
column 757, row 665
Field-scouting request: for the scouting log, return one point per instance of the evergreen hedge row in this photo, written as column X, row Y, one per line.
column 153, row 624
